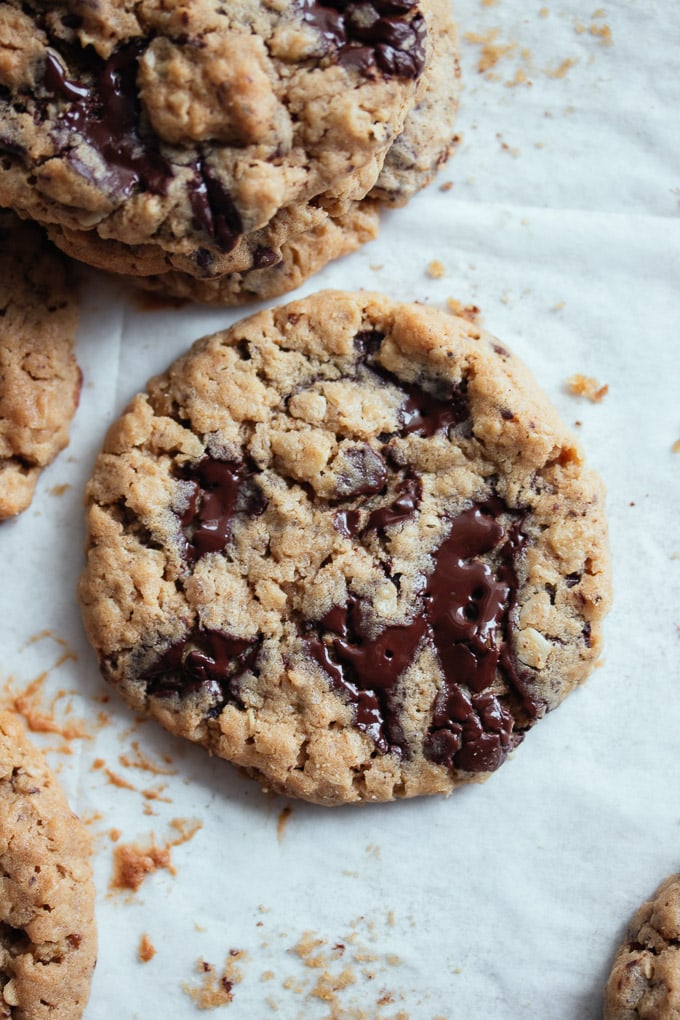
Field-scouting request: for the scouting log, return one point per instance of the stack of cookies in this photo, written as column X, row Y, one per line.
column 221, row 152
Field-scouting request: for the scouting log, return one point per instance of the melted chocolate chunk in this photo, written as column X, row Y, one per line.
column 206, row 662
column 362, row 472
column 404, row 506
column 347, row 522
column 465, row 615
column 221, row 490
column 370, row 34
column 106, row 116
column 213, row 208
column 423, row 415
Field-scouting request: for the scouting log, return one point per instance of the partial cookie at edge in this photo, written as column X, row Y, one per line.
column 39, row 377
column 644, row 983
column 48, row 940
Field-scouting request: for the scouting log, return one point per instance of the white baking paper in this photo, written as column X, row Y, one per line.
column 506, row 900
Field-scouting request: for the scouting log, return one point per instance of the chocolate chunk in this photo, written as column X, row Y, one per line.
column 347, row 522
column 423, row 414
column 464, row 613
column 410, row 491
column 208, row 662
column 213, row 209
column 370, row 34
column 221, row 489
column 361, row 472
column 106, row 116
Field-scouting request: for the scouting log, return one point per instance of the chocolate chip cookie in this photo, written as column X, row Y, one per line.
column 349, row 546
column 645, row 977
column 39, row 377
column 180, row 133
column 48, row 940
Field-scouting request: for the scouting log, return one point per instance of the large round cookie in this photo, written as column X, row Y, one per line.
column 181, row 129
column 644, row 983
column 39, row 377
column 48, row 940
column 349, row 546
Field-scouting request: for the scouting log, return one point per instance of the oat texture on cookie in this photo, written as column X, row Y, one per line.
column 349, row 546
column 48, row 940
column 645, row 977
column 196, row 138
column 39, row 377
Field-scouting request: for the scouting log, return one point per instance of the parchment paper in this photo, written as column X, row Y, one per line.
column 508, row 899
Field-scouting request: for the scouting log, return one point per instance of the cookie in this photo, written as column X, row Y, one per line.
column 309, row 237
column 48, row 940
column 349, row 546
column 645, row 977
column 180, row 131
column 301, row 239
column 39, row 377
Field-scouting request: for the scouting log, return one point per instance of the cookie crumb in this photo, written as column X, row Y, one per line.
column 469, row 312
column 676, row 446
column 146, row 950
column 132, row 863
column 436, row 269
column 59, row 490
column 586, row 386
column 561, row 70
column 446, row 186
column 215, row 989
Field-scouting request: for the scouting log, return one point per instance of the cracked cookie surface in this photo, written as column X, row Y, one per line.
column 39, row 377
column 48, row 939
column 185, row 131
column 644, row 983
column 349, row 546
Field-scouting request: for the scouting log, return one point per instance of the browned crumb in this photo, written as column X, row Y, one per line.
column 139, row 760
column 676, row 446
column 512, row 150
column 561, row 70
column 519, row 78
column 114, row 835
column 436, row 269
column 469, row 312
column 282, row 822
column 116, row 780
column 215, row 989
column 446, row 186
column 59, row 490
column 586, row 386
column 146, row 950
column 328, row 985
column 491, row 50
column 41, row 717
column 132, row 863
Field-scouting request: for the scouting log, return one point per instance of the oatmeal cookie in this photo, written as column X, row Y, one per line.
column 39, row 377
column 48, row 940
column 182, row 131
column 349, row 546
column 644, row 983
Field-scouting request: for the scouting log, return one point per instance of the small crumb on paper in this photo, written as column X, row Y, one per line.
column 146, row 950
column 436, row 269
column 586, row 386
column 132, row 863
column 215, row 989
column 469, row 312
column 282, row 822
column 676, row 446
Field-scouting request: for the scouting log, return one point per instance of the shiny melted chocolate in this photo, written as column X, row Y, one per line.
column 205, row 662
column 371, row 34
column 106, row 116
column 464, row 615
column 221, row 489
